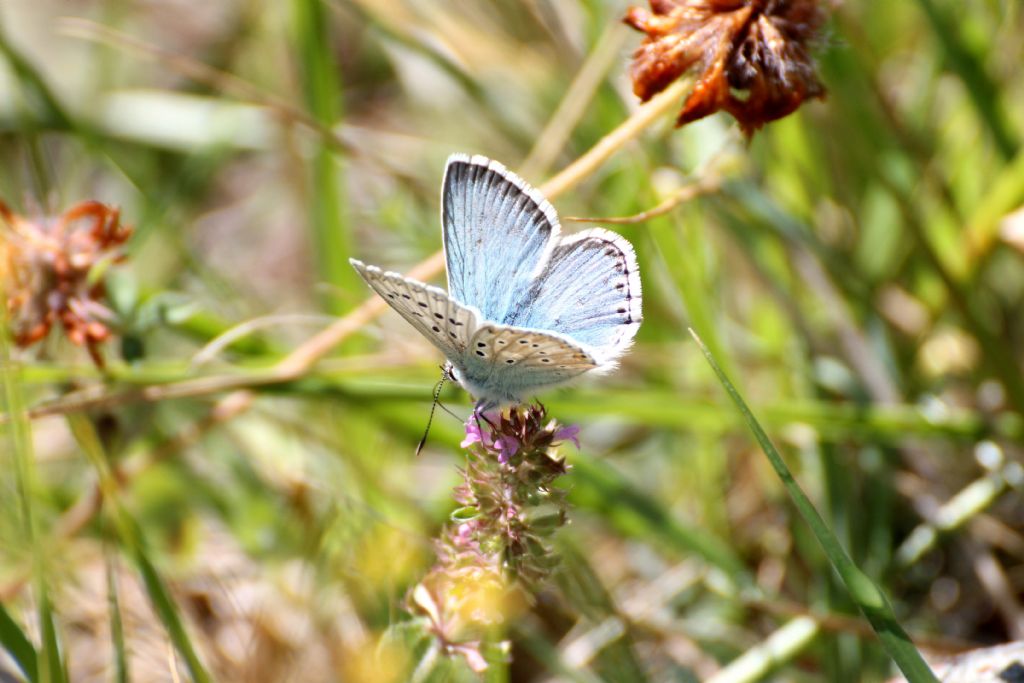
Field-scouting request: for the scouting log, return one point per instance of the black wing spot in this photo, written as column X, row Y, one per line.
column 452, row 335
column 453, row 321
column 406, row 296
column 535, row 346
column 545, row 360
column 622, row 310
column 481, row 354
column 391, row 295
column 524, row 341
column 502, row 342
column 422, row 304
column 435, row 328
column 480, row 345
column 542, row 353
column 510, row 361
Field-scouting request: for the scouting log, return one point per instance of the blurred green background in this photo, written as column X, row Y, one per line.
column 856, row 269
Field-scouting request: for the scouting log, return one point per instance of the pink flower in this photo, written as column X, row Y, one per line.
column 569, row 433
column 471, row 651
column 474, row 434
column 507, row 446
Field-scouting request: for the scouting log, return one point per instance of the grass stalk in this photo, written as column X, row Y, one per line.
column 869, row 598
column 330, row 231
column 49, row 662
column 160, row 597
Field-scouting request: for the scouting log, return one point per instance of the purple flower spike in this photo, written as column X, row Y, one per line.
column 493, row 548
column 569, row 433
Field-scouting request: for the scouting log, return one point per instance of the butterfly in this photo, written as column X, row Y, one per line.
column 527, row 308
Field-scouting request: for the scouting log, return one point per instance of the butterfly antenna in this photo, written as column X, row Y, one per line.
column 433, row 407
column 446, row 374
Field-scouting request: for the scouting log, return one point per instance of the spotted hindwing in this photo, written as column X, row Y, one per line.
column 512, row 361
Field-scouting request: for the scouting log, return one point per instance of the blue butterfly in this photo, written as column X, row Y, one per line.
column 526, row 308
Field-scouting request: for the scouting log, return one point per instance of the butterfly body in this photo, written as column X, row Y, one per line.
column 527, row 309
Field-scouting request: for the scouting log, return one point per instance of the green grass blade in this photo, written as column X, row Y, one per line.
column 20, row 442
column 984, row 93
column 163, row 604
column 51, row 661
column 37, row 93
column 678, row 241
column 320, row 87
column 871, row 601
column 168, row 611
column 18, row 646
column 116, row 623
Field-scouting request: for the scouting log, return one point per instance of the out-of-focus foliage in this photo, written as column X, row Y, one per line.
column 857, row 270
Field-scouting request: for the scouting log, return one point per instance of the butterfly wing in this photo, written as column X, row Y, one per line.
column 447, row 324
column 498, row 232
column 588, row 291
column 496, row 363
column 537, row 309
column 504, row 363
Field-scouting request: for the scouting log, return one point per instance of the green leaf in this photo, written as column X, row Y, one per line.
column 18, row 645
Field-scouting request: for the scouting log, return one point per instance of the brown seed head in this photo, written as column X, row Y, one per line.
column 752, row 56
column 45, row 264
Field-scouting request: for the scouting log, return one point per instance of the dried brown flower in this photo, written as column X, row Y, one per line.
column 46, row 264
column 752, row 56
